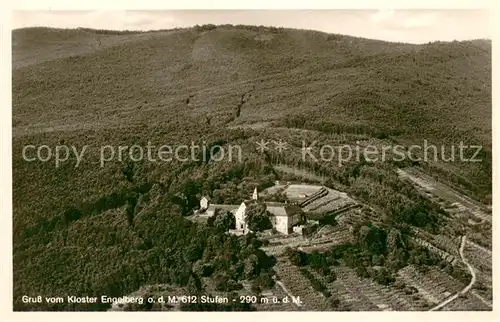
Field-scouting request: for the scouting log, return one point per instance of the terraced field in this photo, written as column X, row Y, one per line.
column 373, row 296
column 278, row 244
column 444, row 255
column 444, row 194
column 331, row 202
column 469, row 218
column 482, row 263
column 354, row 215
column 364, row 294
column 349, row 299
column 300, row 286
column 468, row 302
column 445, row 243
column 315, row 196
column 325, row 243
column 434, row 285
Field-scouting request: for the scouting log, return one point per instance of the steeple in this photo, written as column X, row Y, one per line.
column 255, row 195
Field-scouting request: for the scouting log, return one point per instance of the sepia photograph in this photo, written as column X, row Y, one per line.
column 334, row 160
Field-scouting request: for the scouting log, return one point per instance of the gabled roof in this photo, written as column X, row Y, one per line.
column 206, row 197
column 277, row 210
column 285, row 210
column 212, row 207
column 293, row 209
column 274, row 204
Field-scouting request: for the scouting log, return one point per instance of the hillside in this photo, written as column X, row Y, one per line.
column 223, row 85
column 398, row 87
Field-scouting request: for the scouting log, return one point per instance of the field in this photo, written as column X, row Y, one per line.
column 294, row 192
column 313, row 199
column 415, row 288
column 446, row 195
column 433, row 285
column 113, row 228
column 331, row 202
column 363, row 294
column 378, row 297
column 482, row 262
column 299, row 173
column 300, row 287
column 464, row 211
column 467, row 217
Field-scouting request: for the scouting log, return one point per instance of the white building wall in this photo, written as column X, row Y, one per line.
column 204, row 203
column 282, row 224
column 240, row 217
column 255, row 195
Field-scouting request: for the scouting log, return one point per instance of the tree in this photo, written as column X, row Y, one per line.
column 297, row 257
column 317, row 260
column 373, row 239
column 252, row 268
column 384, row 277
column 224, row 221
column 201, row 269
column 190, row 191
column 263, row 282
column 257, row 217
column 335, row 302
column 221, row 281
column 331, row 277
column 194, row 284
column 260, row 222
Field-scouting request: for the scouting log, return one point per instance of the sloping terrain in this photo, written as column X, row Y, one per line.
column 227, row 76
column 439, row 90
column 97, row 88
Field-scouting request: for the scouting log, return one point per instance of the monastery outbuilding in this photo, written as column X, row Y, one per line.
column 284, row 215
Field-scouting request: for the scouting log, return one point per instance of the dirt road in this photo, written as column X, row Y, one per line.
column 467, row 288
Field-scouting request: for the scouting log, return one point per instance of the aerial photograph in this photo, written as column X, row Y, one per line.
column 252, row 160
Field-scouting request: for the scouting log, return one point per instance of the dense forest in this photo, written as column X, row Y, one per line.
column 96, row 229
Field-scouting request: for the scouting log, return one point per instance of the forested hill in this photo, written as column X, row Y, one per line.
column 439, row 91
column 221, row 77
column 93, row 230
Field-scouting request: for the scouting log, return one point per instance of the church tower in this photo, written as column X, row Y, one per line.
column 255, row 195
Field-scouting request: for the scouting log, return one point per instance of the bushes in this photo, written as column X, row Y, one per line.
column 174, row 244
column 263, row 282
column 224, row 283
column 373, row 239
column 296, row 257
column 222, row 221
column 252, row 267
column 310, row 228
column 206, row 27
column 384, row 277
column 360, row 257
column 110, row 32
column 359, row 110
column 202, row 270
column 329, row 275
column 72, row 214
column 317, row 260
column 458, row 273
column 420, row 256
column 316, row 284
column 258, row 218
